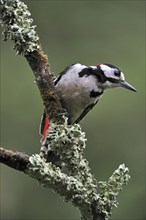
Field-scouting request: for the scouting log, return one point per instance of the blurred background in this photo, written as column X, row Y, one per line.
column 88, row 32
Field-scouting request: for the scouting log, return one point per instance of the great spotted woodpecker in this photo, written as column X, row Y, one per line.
column 80, row 87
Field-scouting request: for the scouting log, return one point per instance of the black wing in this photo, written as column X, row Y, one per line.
column 42, row 124
column 87, row 109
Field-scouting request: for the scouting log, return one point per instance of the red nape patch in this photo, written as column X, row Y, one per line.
column 46, row 127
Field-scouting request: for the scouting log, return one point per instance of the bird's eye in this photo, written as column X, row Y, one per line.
column 117, row 73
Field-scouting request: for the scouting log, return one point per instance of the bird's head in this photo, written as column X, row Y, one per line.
column 113, row 77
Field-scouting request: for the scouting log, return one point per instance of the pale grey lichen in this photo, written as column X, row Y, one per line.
column 109, row 190
column 68, row 142
column 70, row 188
column 74, row 190
column 17, row 26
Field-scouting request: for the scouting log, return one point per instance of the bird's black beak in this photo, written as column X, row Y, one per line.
column 127, row 86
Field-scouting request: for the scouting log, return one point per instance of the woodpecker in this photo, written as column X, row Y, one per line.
column 80, row 87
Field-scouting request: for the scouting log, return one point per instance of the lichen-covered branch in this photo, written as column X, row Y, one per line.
column 110, row 190
column 68, row 142
column 17, row 26
column 93, row 205
column 72, row 178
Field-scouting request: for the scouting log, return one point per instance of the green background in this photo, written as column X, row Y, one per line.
column 88, row 32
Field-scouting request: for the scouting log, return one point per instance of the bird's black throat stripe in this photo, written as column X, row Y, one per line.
column 94, row 94
column 112, row 80
column 98, row 73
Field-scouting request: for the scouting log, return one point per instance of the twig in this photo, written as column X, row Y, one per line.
column 16, row 160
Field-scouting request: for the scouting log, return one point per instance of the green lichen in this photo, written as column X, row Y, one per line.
column 17, row 26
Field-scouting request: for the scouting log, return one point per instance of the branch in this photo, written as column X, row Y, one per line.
column 49, row 176
column 92, row 205
column 18, row 160
column 17, row 24
column 72, row 179
column 40, row 67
